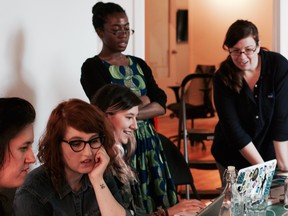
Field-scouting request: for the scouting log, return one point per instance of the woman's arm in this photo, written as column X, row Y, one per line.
column 106, row 201
column 94, row 75
column 154, row 103
column 251, row 154
column 149, row 110
column 280, row 117
column 154, row 93
column 281, row 151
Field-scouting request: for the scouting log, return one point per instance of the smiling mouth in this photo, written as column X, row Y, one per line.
column 243, row 63
column 129, row 133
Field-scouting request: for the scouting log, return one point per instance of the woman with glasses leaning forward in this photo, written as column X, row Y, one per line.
column 112, row 66
column 75, row 151
column 251, row 99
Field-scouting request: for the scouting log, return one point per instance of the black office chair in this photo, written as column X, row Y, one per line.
column 198, row 97
column 179, row 169
column 181, row 173
column 196, row 91
column 209, row 69
column 196, row 102
column 197, row 84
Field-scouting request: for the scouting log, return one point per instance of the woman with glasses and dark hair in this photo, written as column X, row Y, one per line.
column 112, row 66
column 251, row 99
column 75, row 151
column 121, row 107
column 17, row 117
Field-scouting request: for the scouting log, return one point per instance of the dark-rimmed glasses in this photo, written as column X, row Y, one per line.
column 247, row 51
column 79, row 145
column 120, row 32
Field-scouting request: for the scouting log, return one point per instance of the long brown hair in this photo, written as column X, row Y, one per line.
column 111, row 99
column 77, row 114
column 230, row 74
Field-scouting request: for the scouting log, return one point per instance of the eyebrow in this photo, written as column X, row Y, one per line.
column 131, row 114
column 249, row 46
column 81, row 138
column 120, row 25
column 28, row 142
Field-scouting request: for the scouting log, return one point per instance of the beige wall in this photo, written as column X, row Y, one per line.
column 210, row 19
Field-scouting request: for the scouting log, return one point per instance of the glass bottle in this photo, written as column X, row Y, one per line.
column 233, row 203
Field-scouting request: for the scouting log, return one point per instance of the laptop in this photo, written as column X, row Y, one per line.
column 212, row 209
column 256, row 179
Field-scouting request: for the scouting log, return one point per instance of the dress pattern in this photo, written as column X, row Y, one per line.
column 156, row 184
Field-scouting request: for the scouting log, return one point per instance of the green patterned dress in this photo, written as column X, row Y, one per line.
column 157, row 187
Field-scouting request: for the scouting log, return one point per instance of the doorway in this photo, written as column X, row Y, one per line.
column 167, row 56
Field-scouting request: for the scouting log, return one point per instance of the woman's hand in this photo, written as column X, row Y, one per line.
column 192, row 205
column 101, row 162
column 107, row 203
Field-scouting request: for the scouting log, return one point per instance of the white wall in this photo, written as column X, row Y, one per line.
column 283, row 28
column 43, row 45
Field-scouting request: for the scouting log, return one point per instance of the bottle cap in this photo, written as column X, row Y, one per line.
column 231, row 168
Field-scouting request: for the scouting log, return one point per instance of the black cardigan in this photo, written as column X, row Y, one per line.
column 94, row 75
column 260, row 117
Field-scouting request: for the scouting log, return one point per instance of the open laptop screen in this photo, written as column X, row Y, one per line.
column 256, row 179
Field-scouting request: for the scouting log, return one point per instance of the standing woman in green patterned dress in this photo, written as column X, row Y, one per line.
column 111, row 66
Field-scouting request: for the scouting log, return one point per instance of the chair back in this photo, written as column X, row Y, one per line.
column 210, row 69
column 196, row 90
column 205, row 110
column 179, row 169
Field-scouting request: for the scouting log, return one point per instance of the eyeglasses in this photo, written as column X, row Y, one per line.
column 247, row 51
column 79, row 145
column 120, row 33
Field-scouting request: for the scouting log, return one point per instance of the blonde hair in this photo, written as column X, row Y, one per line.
column 120, row 167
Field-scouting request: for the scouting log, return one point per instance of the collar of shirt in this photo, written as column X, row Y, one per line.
column 66, row 189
